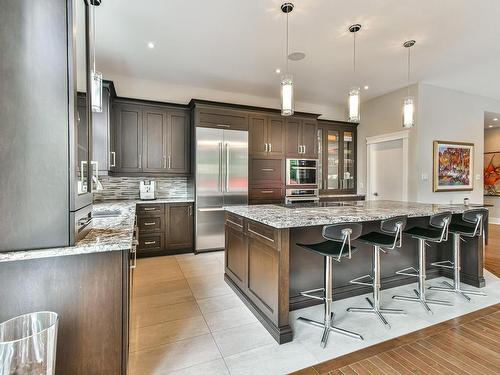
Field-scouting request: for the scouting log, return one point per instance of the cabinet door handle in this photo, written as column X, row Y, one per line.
column 164, row 162
column 267, row 169
column 260, row 235
column 149, row 208
column 234, row 223
column 113, row 163
column 265, row 146
column 140, row 161
column 223, row 126
column 149, row 242
column 133, row 264
column 190, row 210
column 300, row 149
column 169, row 162
column 267, row 191
column 150, row 223
column 270, row 147
column 304, row 146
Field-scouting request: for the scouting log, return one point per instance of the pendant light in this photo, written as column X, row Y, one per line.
column 287, row 103
column 408, row 102
column 96, row 77
column 353, row 97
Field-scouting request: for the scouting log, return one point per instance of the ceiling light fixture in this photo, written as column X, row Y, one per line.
column 96, row 77
column 278, row 70
column 495, row 119
column 408, row 102
column 151, row 45
column 353, row 97
column 490, row 126
column 287, row 79
column 366, row 87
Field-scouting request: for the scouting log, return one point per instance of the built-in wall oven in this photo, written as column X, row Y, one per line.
column 301, row 172
column 301, row 196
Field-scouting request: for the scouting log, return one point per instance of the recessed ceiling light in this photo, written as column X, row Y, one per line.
column 490, row 126
column 151, row 45
column 296, row 56
column 366, row 87
column 278, row 70
column 495, row 119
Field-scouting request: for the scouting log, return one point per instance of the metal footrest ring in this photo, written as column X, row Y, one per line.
column 443, row 263
column 356, row 280
column 404, row 273
column 308, row 294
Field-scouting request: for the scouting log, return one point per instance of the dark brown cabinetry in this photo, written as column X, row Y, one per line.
column 151, row 139
column 164, row 229
column 267, row 136
column 337, row 157
column 301, row 138
column 101, row 135
column 210, row 117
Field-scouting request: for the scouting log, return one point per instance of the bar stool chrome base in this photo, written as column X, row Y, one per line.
column 455, row 265
column 329, row 328
column 421, row 275
column 375, row 305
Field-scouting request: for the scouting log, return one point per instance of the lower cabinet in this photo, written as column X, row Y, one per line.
column 165, row 229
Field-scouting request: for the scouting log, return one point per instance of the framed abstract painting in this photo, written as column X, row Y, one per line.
column 492, row 173
column 453, row 166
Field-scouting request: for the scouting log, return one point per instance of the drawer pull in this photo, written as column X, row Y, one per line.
column 153, row 223
column 223, row 126
column 267, row 170
column 149, row 208
column 260, row 235
column 149, row 242
column 267, row 191
column 232, row 222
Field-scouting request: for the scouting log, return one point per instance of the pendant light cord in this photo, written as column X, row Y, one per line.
column 354, row 54
column 286, row 44
column 409, row 67
column 93, row 33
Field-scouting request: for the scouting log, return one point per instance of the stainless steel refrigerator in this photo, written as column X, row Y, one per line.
column 221, row 180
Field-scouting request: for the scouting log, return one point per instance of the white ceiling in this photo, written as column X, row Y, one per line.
column 236, row 45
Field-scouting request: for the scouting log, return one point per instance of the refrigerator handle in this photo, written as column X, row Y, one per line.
column 220, row 183
column 226, row 176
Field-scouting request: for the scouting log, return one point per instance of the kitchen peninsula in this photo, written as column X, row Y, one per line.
column 266, row 268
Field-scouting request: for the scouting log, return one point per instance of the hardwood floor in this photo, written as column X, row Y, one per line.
column 469, row 344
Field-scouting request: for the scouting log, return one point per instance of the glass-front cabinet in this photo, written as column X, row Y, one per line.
column 336, row 157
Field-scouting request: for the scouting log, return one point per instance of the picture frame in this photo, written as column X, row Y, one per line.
column 491, row 174
column 453, row 166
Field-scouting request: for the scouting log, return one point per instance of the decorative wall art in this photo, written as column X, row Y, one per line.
column 492, row 173
column 453, row 166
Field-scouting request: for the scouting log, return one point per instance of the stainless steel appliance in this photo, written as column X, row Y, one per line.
column 301, row 196
column 147, row 189
column 301, row 172
column 221, row 180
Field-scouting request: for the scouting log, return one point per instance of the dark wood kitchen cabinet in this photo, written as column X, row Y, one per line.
column 101, row 135
column 179, row 226
column 301, row 139
column 164, row 229
column 266, row 136
column 151, row 140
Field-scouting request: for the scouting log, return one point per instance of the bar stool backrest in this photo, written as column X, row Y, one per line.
column 476, row 216
column 344, row 232
column 395, row 226
column 442, row 221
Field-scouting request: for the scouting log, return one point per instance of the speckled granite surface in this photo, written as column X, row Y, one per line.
column 305, row 215
column 107, row 234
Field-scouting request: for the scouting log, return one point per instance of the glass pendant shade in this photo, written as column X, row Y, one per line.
column 287, row 95
column 96, row 91
column 408, row 112
column 354, row 110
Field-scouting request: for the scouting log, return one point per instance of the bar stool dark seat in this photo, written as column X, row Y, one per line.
column 436, row 232
column 389, row 238
column 337, row 246
column 459, row 230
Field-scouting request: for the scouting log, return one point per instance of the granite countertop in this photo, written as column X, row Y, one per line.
column 107, row 234
column 304, row 215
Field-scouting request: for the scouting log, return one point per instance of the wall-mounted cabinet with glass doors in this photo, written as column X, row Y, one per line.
column 336, row 157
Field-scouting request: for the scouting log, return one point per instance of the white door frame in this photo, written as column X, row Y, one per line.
column 370, row 148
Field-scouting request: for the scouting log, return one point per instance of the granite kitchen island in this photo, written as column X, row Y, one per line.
column 266, row 268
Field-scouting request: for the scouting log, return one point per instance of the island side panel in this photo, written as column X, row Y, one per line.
column 256, row 267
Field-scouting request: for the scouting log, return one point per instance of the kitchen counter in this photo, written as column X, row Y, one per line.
column 312, row 214
column 107, row 234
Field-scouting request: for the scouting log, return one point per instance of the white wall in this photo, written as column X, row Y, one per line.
column 442, row 114
column 150, row 90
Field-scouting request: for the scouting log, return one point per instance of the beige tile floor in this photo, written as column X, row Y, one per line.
column 186, row 320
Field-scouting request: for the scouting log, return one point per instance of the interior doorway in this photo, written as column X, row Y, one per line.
column 387, row 166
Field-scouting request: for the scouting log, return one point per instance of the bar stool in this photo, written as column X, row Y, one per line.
column 476, row 217
column 437, row 232
column 338, row 237
column 390, row 238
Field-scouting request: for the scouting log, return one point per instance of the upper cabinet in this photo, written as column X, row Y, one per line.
column 267, row 136
column 301, row 140
column 150, row 139
column 337, row 157
column 101, row 127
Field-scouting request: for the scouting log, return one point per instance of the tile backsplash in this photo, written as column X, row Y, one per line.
column 128, row 187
